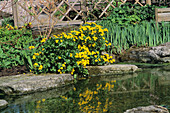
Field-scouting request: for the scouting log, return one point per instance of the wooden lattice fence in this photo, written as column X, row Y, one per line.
column 53, row 12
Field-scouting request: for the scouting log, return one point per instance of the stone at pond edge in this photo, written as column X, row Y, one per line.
column 3, row 104
column 148, row 109
column 112, row 69
column 24, row 84
column 158, row 54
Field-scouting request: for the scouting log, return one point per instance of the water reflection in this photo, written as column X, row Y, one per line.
column 111, row 94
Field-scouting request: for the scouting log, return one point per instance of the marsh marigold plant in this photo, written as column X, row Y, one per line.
column 72, row 52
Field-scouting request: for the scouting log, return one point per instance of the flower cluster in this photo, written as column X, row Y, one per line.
column 31, row 47
column 73, row 51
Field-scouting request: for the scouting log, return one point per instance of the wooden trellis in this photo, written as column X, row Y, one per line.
column 52, row 12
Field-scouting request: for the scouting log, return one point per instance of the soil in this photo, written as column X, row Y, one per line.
column 15, row 70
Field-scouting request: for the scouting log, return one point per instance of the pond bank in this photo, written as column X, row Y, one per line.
column 142, row 88
column 29, row 83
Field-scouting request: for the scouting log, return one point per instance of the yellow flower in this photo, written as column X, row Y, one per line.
column 40, row 68
column 61, row 40
column 29, row 23
column 71, row 54
column 93, row 45
column 59, row 70
column 31, row 47
column 93, row 52
column 43, row 100
column 61, row 67
column 35, row 64
column 106, row 29
column 102, row 34
column 36, row 54
column 74, row 89
column 96, row 60
column 59, row 57
column 95, row 92
column 43, row 40
column 95, row 56
column 56, row 41
column 33, row 57
column 71, row 73
column 42, row 49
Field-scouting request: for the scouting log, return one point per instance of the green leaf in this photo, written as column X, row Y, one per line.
column 69, row 68
column 67, row 61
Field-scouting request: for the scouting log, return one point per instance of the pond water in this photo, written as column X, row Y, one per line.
column 111, row 94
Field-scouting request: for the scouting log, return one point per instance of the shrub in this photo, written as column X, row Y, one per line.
column 72, row 52
column 14, row 45
column 131, row 14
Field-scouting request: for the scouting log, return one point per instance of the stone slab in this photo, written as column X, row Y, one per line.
column 148, row 109
column 112, row 69
column 24, row 84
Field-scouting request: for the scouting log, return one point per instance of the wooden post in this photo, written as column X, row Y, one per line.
column 156, row 17
column 84, row 10
column 15, row 12
column 156, row 14
column 148, row 2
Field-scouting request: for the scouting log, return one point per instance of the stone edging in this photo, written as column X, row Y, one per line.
column 112, row 69
column 25, row 84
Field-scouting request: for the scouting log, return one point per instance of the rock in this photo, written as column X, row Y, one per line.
column 148, row 109
column 24, row 84
column 3, row 104
column 111, row 69
column 158, row 54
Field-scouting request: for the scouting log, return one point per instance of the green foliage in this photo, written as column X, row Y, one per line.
column 144, row 34
column 63, row 8
column 131, row 14
column 72, row 52
column 14, row 45
column 6, row 21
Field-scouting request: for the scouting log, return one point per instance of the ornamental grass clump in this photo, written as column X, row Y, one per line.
column 72, row 52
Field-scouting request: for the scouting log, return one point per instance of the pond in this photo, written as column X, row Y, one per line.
column 111, row 94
